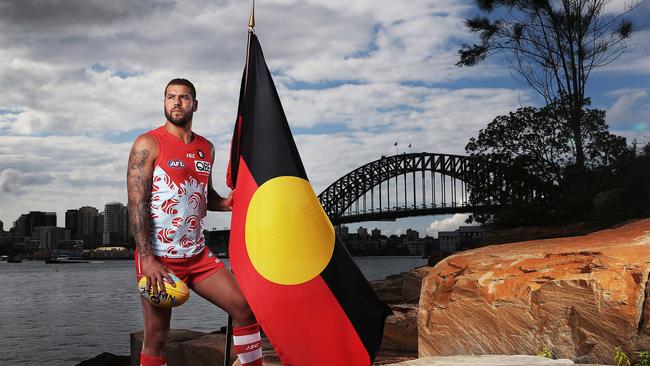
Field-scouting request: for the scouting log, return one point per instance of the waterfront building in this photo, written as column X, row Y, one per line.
column 412, row 234
column 113, row 223
column 72, row 222
column 415, row 247
column 362, row 232
column 48, row 237
column 87, row 220
column 50, row 219
column 462, row 238
column 375, row 233
column 2, row 226
column 26, row 223
column 92, row 240
column 342, row 231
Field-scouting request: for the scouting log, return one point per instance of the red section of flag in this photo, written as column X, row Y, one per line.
column 305, row 322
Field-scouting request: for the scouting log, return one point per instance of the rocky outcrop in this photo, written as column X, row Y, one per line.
column 187, row 347
column 490, row 360
column 580, row 297
column 107, row 359
column 402, row 293
column 403, row 288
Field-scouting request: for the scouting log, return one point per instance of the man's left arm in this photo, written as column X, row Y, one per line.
column 215, row 201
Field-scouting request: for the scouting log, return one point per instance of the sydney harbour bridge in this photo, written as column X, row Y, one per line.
column 414, row 184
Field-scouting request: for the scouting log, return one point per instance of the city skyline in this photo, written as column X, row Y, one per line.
column 450, row 223
column 86, row 80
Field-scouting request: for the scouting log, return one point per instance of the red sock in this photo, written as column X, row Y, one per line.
column 248, row 345
column 146, row 360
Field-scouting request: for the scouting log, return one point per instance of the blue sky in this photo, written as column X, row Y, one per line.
column 83, row 78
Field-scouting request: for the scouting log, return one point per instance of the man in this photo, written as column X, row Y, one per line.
column 170, row 188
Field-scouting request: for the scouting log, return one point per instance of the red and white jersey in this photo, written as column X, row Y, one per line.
column 179, row 194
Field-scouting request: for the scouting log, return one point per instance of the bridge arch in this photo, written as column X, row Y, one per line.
column 338, row 198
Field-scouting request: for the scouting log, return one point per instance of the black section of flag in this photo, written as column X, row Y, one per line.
column 233, row 167
column 356, row 297
column 267, row 145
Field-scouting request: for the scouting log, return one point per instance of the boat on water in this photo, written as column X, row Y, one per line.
column 14, row 260
column 3, row 258
column 65, row 260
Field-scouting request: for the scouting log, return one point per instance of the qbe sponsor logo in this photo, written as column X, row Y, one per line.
column 176, row 163
column 202, row 166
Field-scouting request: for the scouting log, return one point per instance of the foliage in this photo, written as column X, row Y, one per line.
column 621, row 358
column 545, row 353
column 643, row 358
column 552, row 46
column 526, row 160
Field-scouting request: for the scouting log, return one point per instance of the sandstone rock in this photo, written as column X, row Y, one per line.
column 186, row 347
column 580, row 297
column 401, row 288
column 401, row 329
column 491, row 360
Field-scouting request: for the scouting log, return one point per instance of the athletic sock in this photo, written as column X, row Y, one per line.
column 248, row 344
column 146, row 360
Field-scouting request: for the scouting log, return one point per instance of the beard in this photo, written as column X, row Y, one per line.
column 181, row 121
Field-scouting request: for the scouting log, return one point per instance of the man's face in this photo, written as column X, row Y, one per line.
column 179, row 105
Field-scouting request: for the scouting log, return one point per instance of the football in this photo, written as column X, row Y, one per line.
column 173, row 296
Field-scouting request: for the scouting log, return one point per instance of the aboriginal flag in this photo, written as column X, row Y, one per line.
column 307, row 293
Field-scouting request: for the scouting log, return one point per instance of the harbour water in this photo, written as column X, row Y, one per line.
column 62, row 314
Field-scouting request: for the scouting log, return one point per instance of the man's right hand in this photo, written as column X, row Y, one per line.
column 156, row 274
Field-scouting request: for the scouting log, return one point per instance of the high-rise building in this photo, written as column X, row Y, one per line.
column 50, row 236
column 112, row 216
column 99, row 223
column 72, row 222
column 125, row 225
column 50, row 219
column 21, row 226
column 113, row 223
column 36, row 219
column 26, row 223
column 87, row 220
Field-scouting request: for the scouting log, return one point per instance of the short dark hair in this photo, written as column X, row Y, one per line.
column 185, row 82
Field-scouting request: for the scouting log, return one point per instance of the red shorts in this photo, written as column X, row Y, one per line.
column 191, row 270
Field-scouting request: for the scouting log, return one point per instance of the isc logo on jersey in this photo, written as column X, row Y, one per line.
column 202, row 166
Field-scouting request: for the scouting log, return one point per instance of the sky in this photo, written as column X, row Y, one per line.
column 82, row 78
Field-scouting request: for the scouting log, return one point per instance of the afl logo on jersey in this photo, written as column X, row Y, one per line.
column 201, row 154
column 202, row 166
column 176, row 164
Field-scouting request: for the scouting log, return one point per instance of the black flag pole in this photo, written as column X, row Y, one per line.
column 251, row 26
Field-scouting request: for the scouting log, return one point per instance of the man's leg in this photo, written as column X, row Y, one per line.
column 156, row 328
column 222, row 290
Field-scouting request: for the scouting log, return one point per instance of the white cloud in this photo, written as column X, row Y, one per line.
column 448, row 224
column 622, row 113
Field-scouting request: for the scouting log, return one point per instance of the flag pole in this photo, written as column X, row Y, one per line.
column 251, row 26
column 251, row 30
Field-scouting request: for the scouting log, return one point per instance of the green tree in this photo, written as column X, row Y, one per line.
column 526, row 160
column 552, row 46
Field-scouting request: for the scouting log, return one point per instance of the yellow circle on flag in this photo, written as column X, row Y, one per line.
column 289, row 238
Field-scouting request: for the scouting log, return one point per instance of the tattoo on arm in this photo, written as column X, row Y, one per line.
column 139, row 189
